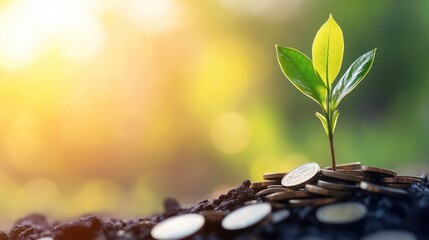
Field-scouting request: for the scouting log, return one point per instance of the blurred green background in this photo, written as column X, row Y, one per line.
column 110, row 106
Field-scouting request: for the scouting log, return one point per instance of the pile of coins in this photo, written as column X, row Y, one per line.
column 306, row 185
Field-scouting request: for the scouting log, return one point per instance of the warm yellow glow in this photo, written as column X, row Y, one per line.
column 274, row 164
column 230, row 133
column 92, row 197
column 98, row 95
column 153, row 16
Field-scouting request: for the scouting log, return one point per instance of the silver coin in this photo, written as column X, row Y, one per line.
column 391, row 235
column 280, row 215
column 341, row 213
column 246, row 216
column 178, row 227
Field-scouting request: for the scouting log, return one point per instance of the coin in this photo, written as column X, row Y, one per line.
column 280, row 215
column 341, row 213
column 398, row 179
column 246, row 216
column 338, row 186
column 342, row 176
column 275, row 186
column 301, row 175
column 274, row 176
column 391, row 234
column 252, row 202
column 324, row 191
column 311, row 202
column 359, row 173
column 346, row 166
column 262, row 184
column 271, row 190
column 374, row 188
column 281, row 196
column 178, row 227
column 397, row 185
column 382, row 171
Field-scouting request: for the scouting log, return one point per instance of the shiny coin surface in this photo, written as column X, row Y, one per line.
column 374, row 188
column 301, row 175
column 342, row 176
column 341, row 213
column 338, row 186
column 280, row 215
column 382, row 171
column 178, row 227
column 346, row 166
column 246, row 216
column 311, row 202
column 252, row 202
column 391, row 235
column 274, row 176
column 359, row 173
column 271, row 190
column 276, row 186
column 325, row 191
column 281, row 196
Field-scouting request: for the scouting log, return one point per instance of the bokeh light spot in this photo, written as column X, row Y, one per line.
column 230, row 133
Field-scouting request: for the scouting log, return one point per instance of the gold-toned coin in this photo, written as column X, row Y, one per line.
column 263, row 184
column 338, row 186
column 274, row 176
column 271, row 190
column 398, row 179
column 301, row 175
column 346, row 166
column 326, row 192
column 342, row 176
column 374, row 188
column 341, row 213
column 359, row 173
column 178, row 227
column 282, row 196
column 312, row 202
column 246, row 217
column 382, row 171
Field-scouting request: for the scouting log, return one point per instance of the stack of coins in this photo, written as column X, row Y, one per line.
column 308, row 184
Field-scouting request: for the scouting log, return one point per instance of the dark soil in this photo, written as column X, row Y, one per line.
column 384, row 212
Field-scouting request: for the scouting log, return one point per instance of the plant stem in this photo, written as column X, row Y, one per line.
column 331, row 144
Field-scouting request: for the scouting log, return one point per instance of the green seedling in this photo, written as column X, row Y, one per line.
column 314, row 77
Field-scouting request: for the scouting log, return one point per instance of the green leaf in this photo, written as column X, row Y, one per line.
column 356, row 72
column 299, row 70
column 324, row 122
column 328, row 49
column 334, row 119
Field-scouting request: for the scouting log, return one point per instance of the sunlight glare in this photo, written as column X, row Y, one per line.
column 29, row 28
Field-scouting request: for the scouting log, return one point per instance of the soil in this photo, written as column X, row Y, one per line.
column 384, row 212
